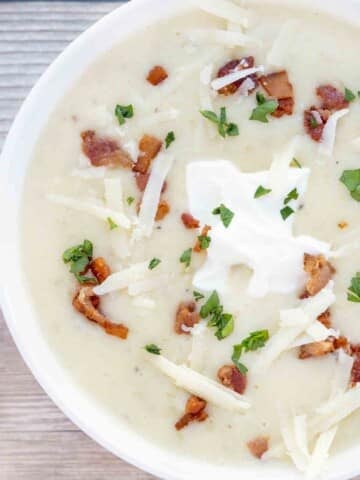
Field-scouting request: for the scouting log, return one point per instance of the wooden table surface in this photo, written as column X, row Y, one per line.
column 37, row 442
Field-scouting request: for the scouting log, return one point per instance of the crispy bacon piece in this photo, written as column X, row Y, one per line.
column 149, row 147
column 189, row 221
column 316, row 349
column 230, row 377
column 186, row 316
column 206, row 229
column 102, row 151
column 343, row 225
column 100, row 269
column 194, row 411
column 157, row 75
column 258, row 446
column 331, row 98
column 312, row 126
column 83, row 303
column 278, row 86
column 342, row 342
column 142, row 180
column 325, row 318
column 320, row 271
column 162, row 211
column 355, row 372
column 233, row 66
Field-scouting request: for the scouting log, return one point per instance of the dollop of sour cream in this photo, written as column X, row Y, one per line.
column 257, row 237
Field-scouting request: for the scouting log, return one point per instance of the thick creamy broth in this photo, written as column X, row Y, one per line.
column 119, row 375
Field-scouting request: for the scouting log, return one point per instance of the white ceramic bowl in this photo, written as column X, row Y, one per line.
column 15, row 299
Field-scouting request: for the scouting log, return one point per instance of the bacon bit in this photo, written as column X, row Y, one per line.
column 258, row 446
column 103, row 151
column 233, row 66
column 342, row 342
column 331, row 98
column 189, row 221
column 162, row 211
column 100, row 269
column 230, row 377
column 206, row 229
column 142, row 180
column 278, row 86
column 194, row 411
column 320, row 271
column 157, row 75
column 149, row 147
column 315, row 132
column 355, row 372
column 316, row 349
column 325, row 318
column 83, row 303
column 343, row 225
column 186, row 316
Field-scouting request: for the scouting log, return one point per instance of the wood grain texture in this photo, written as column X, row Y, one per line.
column 37, row 441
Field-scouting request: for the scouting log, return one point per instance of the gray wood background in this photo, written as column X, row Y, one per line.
column 36, row 441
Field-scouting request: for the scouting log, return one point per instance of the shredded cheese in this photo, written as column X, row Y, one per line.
column 124, row 278
column 320, row 453
column 224, row 9
column 329, row 133
column 114, row 194
column 151, row 197
column 234, row 76
column 200, row 385
column 277, row 53
column 147, row 284
column 99, row 211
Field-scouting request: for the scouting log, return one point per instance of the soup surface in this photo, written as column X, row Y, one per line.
column 256, row 156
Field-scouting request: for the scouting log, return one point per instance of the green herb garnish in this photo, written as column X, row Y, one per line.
column 293, row 195
column 295, row 163
column 354, row 289
column 204, row 241
column 253, row 342
column 130, row 200
column 349, row 95
column 152, row 348
column 261, row 191
column 286, row 212
column 226, row 214
column 154, row 263
column 313, row 122
column 224, row 128
column 170, row 138
column 351, row 179
column 79, row 257
column 112, row 224
column 224, row 322
column 122, row 112
column 186, row 257
column 264, row 108
column 198, row 296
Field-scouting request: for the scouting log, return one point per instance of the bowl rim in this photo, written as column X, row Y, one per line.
column 15, row 299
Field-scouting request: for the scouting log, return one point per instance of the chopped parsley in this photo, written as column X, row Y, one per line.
column 79, row 257
column 351, row 179
column 295, row 163
column 354, row 289
column 286, row 212
column 313, row 122
column 112, row 224
column 226, row 214
column 204, row 241
column 154, row 263
column 152, row 348
column 198, row 296
column 223, row 322
column 253, row 342
column 224, row 128
column 170, row 138
column 349, row 95
column 293, row 195
column 130, row 200
column 261, row 191
column 264, row 108
column 186, row 257
column 122, row 112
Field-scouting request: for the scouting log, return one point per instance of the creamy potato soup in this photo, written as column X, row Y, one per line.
column 191, row 225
